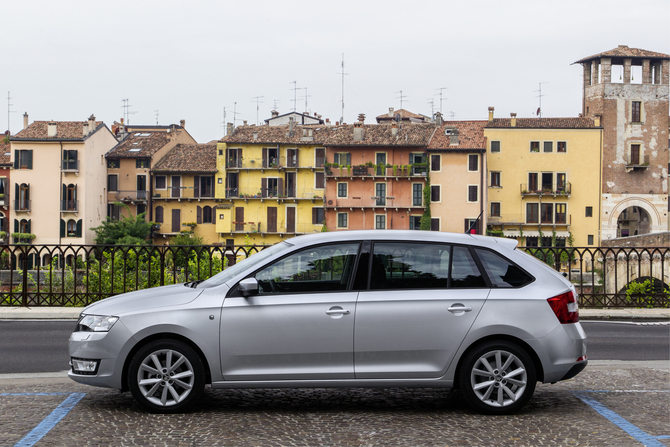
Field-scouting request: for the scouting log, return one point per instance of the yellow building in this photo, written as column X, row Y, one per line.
column 272, row 181
column 544, row 179
column 183, row 192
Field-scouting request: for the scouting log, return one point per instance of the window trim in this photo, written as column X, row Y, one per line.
column 537, row 216
column 478, row 162
column 530, row 147
column 422, row 186
column 499, row 147
column 346, row 190
column 468, row 193
column 499, row 209
column 337, row 220
column 439, row 163
column 439, row 193
column 544, row 146
column 385, row 220
column 565, row 147
column 155, row 182
column 641, row 112
column 499, row 184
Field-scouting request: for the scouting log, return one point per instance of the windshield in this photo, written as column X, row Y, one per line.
column 247, row 263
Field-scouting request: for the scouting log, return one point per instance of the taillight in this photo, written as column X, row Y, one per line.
column 565, row 307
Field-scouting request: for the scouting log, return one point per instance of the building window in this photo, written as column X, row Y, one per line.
column 342, row 158
column 590, row 239
column 548, row 146
column 380, row 193
column 434, row 193
column 589, row 211
column 436, row 162
column 495, row 209
column 634, row 158
column 414, row 222
column 161, row 182
column 317, row 216
column 472, row 193
column 532, row 210
column 273, row 185
column 142, row 163
column 141, row 208
column 380, row 221
column 495, row 179
column 435, row 224
column 532, row 182
column 159, row 214
column 495, row 146
column 113, row 211
column 561, row 182
column 531, row 241
column 636, row 112
column 535, row 146
column 473, row 162
column 562, row 146
column 561, row 213
column 417, row 194
column 319, row 180
column 23, row 159
column 71, row 228
column 342, row 190
column 417, row 160
column 113, row 163
column 342, row 220
column 70, row 160
column 547, row 213
column 112, row 182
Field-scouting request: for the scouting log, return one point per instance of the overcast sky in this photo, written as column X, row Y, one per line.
column 65, row 60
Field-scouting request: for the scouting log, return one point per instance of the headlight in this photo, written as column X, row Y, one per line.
column 95, row 323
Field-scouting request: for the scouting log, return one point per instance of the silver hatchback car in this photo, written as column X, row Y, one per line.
column 343, row 309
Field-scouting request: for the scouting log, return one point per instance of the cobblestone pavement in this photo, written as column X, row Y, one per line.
column 639, row 393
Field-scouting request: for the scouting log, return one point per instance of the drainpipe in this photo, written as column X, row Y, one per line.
column 60, row 189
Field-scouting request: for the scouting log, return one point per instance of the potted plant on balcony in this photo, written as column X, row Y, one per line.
column 23, row 238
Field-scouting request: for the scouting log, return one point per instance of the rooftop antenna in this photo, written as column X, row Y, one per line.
column 343, row 74
column 276, row 101
column 234, row 114
column 258, row 101
column 295, row 89
column 431, row 101
column 402, row 97
column 453, row 115
column 225, row 130
column 540, row 95
column 9, row 110
column 440, row 89
column 156, row 116
column 306, row 96
column 126, row 111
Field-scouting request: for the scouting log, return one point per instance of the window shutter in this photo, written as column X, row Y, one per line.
column 264, row 187
column 348, row 159
column 280, row 186
column 265, row 157
column 314, row 216
column 28, row 227
column 79, row 228
column 62, row 228
column 16, row 225
column 17, row 197
column 159, row 214
column 16, row 159
column 297, row 161
column 198, row 215
column 196, row 186
column 64, row 197
column 336, row 159
column 29, row 160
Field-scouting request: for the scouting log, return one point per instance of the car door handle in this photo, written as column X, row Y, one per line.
column 338, row 311
column 459, row 309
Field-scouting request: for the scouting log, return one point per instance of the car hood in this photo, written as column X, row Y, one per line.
column 165, row 296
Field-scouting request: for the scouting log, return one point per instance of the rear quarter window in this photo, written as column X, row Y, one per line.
column 502, row 272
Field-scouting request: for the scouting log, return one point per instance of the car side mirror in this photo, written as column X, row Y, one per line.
column 248, row 287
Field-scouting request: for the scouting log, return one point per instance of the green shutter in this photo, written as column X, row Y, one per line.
column 29, row 160
column 16, row 159
column 62, row 228
column 29, row 226
column 79, row 228
column 16, row 225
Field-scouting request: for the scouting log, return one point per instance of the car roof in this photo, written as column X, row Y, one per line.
column 401, row 236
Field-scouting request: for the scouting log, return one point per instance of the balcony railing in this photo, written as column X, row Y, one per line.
column 234, row 163
column 640, row 165
column 69, row 206
column 538, row 190
column 4, row 199
column 278, row 227
column 371, row 171
column 70, row 165
column 21, row 205
column 184, row 192
column 522, row 219
column 273, row 193
column 372, row 202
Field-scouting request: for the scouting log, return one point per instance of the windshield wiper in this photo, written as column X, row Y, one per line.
column 193, row 284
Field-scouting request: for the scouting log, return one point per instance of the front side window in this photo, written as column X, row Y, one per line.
column 315, row 269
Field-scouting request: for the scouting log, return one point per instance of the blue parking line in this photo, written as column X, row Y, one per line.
column 638, row 434
column 51, row 420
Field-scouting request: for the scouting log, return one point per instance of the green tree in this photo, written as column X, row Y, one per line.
column 426, row 217
column 125, row 231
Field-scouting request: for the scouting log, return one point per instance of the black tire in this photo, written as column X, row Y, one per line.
column 174, row 387
column 486, row 382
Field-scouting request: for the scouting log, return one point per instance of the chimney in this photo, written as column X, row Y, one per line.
column 391, row 112
column 51, row 130
column 274, row 114
column 182, row 123
column 255, row 136
column 25, row 120
column 491, row 109
column 359, row 131
column 361, row 118
column 244, row 123
column 438, row 119
column 394, row 129
column 230, row 128
column 596, row 120
column 291, row 123
column 327, row 121
column 91, row 124
column 86, row 129
column 513, row 121
column 453, row 138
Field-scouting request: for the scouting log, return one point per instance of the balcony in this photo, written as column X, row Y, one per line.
column 69, row 206
column 397, row 172
column 4, row 199
column 183, row 192
column 273, row 193
column 281, row 229
column 630, row 166
column 373, row 202
column 560, row 191
column 70, row 165
column 22, row 205
column 130, row 195
column 521, row 219
column 234, row 163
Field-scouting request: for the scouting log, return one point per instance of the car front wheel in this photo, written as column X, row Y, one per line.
column 497, row 378
column 166, row 376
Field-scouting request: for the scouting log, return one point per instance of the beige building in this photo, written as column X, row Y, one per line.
column 58, row 181
column 129, row 164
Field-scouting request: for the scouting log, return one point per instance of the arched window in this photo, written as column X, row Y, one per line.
column 71, row 228
column 207, row 215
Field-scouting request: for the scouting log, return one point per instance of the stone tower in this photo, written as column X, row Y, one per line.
column 628, row 89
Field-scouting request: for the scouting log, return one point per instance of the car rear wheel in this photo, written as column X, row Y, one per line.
column 497, row 378
column 166, row 376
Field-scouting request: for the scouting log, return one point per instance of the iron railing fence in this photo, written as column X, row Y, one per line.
column 78, row 275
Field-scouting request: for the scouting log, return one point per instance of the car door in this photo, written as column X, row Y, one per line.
column 410, row 323
column 300, row 326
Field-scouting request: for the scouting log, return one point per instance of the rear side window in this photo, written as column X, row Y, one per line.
column 403, row 265
column 501, row 272
column 464, row 271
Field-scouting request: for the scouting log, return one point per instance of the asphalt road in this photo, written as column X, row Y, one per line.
column 41, row 346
